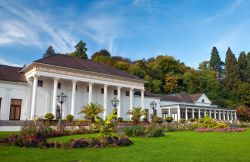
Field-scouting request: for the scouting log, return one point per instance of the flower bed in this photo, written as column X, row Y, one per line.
column 220, row 130
column 40, row 141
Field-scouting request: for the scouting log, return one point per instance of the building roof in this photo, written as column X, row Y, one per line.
column 195, row 97
column 13, row 74
column 84, row 64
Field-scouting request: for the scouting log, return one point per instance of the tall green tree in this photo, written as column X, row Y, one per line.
column 49, row 52
column 244, row 93
column 248, row 67
column 231, row 79
column 80, row 50
column 242, row 66
column 102, row 52
column 215, row 62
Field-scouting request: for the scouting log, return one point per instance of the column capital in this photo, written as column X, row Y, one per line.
column 74, row 81
column 106, row 85
column 35, row 76
column 56, row 78
column 91, row 83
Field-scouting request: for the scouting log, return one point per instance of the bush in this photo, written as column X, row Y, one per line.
column 181, row 120
column 154, row 130
column 220, row 130
column 169, row 119
column 192, row 120
column 134, row 131
column 120, row 119
column 208, row 122
column 177, row 126
column 243, row 113
column 145, row 119
column 69, row 117
column 49, row 116
column 157, row 119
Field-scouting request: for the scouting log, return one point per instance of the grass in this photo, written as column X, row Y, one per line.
column 175, row 146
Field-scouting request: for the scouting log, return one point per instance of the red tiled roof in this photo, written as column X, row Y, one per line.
column 13, row 74
column 84, row 64
column 195, row 97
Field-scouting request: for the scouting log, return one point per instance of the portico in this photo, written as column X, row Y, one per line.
column 93, row 87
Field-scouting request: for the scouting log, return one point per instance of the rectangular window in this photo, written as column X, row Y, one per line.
column 127, row 93
column 87, row 89
column 102, row 90
column 115, row 92
column 40, row 83
column 15, row 109
column 59, row 85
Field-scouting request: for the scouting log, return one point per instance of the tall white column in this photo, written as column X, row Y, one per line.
column 105, row 98
column 73, row 97
column 210, row 113
column 119, row 104
column 192, row 113
column 224, row 115
column 90, row 92
column 235, row 116
column 219, row 115
column 178, row 113
column 33, row 100
column 227, row 115
column 199, row 113
column 142, row 98
column 54, row 97
column 186, row 114
column 231, row 116
column 215, row 114
column 131, row 100
column 169, row 112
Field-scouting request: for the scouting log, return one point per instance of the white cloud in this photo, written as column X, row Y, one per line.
column 5, row 62
column 32, row 29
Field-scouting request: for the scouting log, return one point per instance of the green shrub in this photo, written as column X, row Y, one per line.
column 169, row 119
column 154, row 130
column 177, row 126
column 69, row 117
column 208, row 122
column 49, row 116
column 157, row 119
column 134, row 131
column 181, row 120
column 120, row 119
column 192, row 120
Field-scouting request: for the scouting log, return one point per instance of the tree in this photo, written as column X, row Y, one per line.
column 49, row 52
column 205, row 65
column 231, row 79
column 91, row 111
column 137, row 113
column 248, row 67
column 243, row 113
column 215, row 62
column 242, row 66
column 244, row 94
column 102, row 52
column 171, row 84
column 80, row 50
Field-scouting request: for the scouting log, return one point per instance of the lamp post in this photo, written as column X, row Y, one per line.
column 61, row 99
column 115, row 102
column 153, row 105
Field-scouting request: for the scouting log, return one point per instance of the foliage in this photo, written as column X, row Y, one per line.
column 69, row 117
column 136, row 113
column 91, row 111
column 119, row 119
column 49, row 116
column 215, row 62
column 243, row 113
column 192, row 120
column 106, row 126
column 157, row 119
column 208, row 122
column 134, row 131
column 177, row 126
column 169, row 119
column 181, row 120
column 80, row 51
column 242, row 66
column 154, row 130
column 244, row 94
column 49, row 52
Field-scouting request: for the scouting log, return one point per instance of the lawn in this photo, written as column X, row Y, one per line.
column 175, row 146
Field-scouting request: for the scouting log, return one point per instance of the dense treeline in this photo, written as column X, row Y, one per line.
column 225, row 83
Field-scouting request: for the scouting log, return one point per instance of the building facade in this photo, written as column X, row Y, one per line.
column 31, row 92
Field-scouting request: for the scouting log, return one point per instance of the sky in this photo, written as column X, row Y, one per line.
column 136, row 29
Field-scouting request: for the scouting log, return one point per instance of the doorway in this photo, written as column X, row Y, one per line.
column 15, row 109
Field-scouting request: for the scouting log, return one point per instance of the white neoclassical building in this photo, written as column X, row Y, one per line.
column 30, row 92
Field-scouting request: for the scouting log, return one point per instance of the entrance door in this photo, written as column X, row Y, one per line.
column 15, row 109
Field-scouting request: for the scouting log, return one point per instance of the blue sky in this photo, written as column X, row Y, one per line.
column 185, row 29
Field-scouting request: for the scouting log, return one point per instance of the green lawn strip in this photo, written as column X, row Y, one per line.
column 175, row 146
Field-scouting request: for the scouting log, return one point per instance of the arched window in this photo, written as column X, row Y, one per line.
column 203, row 100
